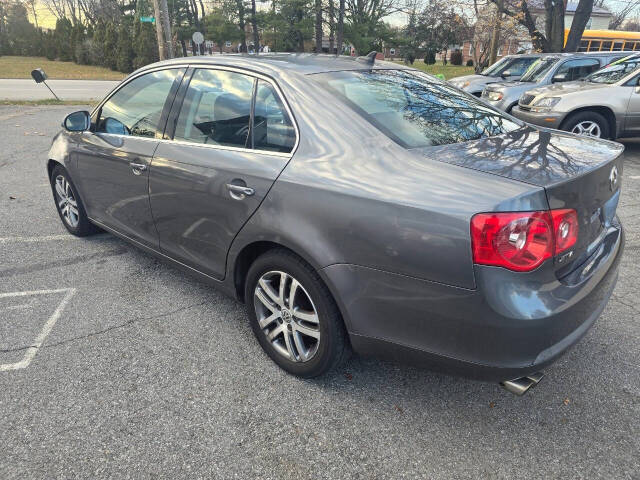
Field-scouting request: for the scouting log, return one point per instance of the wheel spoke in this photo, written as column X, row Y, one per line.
column 302, row 351
column 260, row 294
column 310, row 317
column 60, row 190
column 283, row 281
column 292, row 292
column 289, row 343
column 308, row 331
column 266, row 288
column 264, row 322
column 275, row 332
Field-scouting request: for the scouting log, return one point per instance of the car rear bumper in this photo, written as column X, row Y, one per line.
column 502, row 330
column 548, row 119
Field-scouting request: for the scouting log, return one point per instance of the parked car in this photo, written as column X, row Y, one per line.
column 510, row 67
column 547, row 70
column 352, row 204
column 605, row 104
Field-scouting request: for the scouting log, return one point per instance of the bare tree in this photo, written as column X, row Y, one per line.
column 340, row 26
column 318, row 25
column 332, row 25
column 620, row 16
column 254, row 27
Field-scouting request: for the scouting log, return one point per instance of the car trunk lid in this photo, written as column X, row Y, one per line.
column 577, row 173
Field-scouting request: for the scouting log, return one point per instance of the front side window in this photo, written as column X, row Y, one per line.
column 136, row 108
column 413, row 109
column 577, row 69
column 272, row 128
column 216, row 109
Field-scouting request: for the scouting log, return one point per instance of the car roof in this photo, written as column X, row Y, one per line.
column 278, row 64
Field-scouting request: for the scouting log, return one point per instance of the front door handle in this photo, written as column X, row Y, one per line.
column 138, row 168
column 239, row 192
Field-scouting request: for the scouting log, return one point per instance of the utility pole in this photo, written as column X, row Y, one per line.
column 161, row 51
column 163, row 29
column 166, row 26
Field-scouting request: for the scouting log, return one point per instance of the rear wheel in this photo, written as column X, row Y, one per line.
column 294, row 316
column 591, row 124
column 69, row 205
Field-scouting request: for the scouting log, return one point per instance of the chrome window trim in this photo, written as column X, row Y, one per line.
column 208, row 66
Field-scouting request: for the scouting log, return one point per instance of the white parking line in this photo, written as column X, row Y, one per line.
column 46, row 329
column 634, row 177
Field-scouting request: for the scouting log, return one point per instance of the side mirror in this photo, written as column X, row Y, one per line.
column 77, row 121
column 505, row 74
column 560, row 77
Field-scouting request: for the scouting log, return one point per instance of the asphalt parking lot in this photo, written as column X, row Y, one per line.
column 144, row 372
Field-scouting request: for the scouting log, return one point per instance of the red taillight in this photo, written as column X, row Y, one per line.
column 521, row 241
column 565, row 225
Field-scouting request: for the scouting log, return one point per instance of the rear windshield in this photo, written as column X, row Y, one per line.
column 414, row 109
column 539, row 69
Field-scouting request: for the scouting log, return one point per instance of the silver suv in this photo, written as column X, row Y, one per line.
column 548, row 69
column 605, row 104
column 510, row 67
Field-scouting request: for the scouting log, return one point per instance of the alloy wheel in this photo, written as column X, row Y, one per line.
column 588, row 128
column 287, row 316
column 66, row 201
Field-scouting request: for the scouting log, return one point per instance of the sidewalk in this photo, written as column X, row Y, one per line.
column 27, row 89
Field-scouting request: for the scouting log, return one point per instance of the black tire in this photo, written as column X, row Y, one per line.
column 84, row 227
column 588, row 116
column 332, row 347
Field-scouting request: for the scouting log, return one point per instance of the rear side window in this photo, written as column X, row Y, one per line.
column 272, row 127
column 136, row 108
column 216, row 109
column 414, row 109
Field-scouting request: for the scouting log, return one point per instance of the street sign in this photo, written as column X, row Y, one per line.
column 197, row 38
column 148, row 19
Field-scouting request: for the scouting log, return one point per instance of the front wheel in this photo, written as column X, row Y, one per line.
column 69, row 205
column 294, row 316
column 590, row 124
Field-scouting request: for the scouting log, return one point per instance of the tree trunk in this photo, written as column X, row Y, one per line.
column 495, row 34
column 340, row 27
column 332, row 25
column 166, row 27
column 254, row 27
column 161, row 50
column 580, row 19
column 318, row 9
column 241, row 24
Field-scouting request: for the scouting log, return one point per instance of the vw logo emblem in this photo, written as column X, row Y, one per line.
column 613, row 178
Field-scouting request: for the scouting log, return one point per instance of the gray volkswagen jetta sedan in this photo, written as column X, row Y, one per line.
column 353, row 205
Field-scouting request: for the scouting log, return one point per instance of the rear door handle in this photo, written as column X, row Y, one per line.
column 239, row 192
column 138, row 168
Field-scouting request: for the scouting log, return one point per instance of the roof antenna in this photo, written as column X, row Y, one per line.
column 369, row 59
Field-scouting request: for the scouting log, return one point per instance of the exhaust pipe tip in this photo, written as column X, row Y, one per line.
column 522, row 385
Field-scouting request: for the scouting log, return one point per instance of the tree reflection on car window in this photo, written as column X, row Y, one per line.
column 416, row 110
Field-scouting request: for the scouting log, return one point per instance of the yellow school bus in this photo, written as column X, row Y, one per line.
column 607, row 41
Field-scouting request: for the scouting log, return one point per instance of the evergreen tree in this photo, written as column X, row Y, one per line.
column 98, row 43
column 110, row 46
column 63, row 39
column 146, row 44
column 125, row 49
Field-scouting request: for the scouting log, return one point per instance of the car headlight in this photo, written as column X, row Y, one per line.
column 464, row 84
column 545, row 104
column 494, row 96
